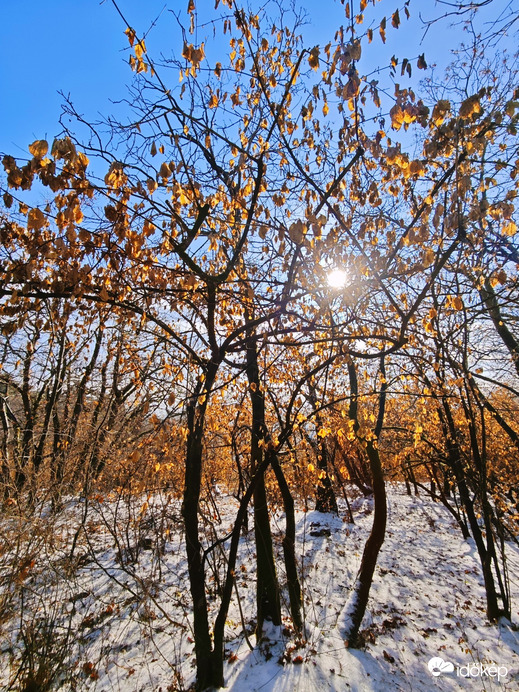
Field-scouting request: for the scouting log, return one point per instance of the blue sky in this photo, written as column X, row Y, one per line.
column 79, row 47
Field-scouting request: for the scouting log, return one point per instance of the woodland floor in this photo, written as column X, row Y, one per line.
column 115, row 616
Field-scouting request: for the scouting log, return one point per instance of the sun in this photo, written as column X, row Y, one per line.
column 337, row 278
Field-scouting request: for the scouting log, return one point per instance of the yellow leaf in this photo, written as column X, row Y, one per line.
column 313, row 59
column 131, row 35
column 324, row 432
column 36, row 219
column 63, row 149
column 39, row 148
column 165, row 170
column 429, row 256
column 457, row 303
column 141, row 66
column 440, row 110
column 296, row 231
column 416, row 167
column 470, row 106
column 397, row 117
column 140, row 49
column 82, row 159
column 192, row 54
column 509, row 228
column 382, row 30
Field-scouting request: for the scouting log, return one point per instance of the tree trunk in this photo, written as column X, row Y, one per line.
column 485, row 556
column 359, row 599
column 219, row 625
column 195, row 562
column 289, row 544
column 267, row 589
column 364, row 578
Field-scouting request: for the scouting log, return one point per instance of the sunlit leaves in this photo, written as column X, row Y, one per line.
column 39, row 148
column 454, row 303
column 165, row 170
column 382, row 29
column 418, row 430
column 191, row 6
column 63, row 149
column 471, row 106
column 140, row 50
column 351, row 52
column 36, row 219
column 130, row 33
column 136, row 61
column 324, row 432
column 509, row 228
column 297, row 231
column 313, row 58
column 390, row 217
column 116, row 178
column 429, row 257
column 151, row 185
column 193, row 55
column 440, row 111
column 351, row 89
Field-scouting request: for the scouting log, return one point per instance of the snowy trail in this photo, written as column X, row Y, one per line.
column 427, row 600
column 127, row 606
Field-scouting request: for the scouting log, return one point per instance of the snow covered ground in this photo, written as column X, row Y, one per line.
column 113, row 614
